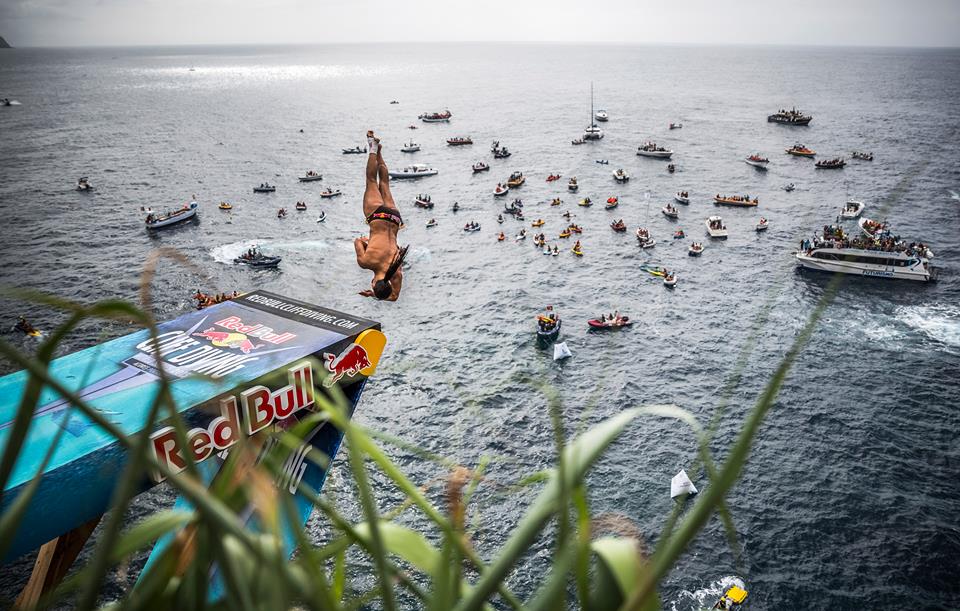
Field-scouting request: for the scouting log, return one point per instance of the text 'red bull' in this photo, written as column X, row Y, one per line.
column 349, row 362
column 260, row 407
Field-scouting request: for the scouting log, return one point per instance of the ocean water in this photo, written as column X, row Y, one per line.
column 850, row 497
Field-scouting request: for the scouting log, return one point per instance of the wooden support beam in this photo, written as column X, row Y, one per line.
column 53, row 562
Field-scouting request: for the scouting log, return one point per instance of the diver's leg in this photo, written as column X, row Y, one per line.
column 385, row 183
column 371, row 194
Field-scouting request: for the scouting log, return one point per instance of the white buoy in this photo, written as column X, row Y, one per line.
column 681, row 484
column 560, row 351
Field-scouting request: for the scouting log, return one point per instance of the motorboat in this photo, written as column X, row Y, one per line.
column 410, row 147
column 500, row 190
column 836, row 163
column 459, row 141
column 282, row 213
column 743, row 201
column 572, row 184
column 789, row 187
column 799, row 150
column 620, row 175
column 158, row 221
column 310, row 176
column 682, row 197
column 852, row 209
column 670, row 212
column 480, row 167
column 225, row 206
column 671, row 168
column 301, row 206
column 731, row 599
column 650, row 149
column 896, row 264
column 436, row 117
column 612, row 202
column 862, row 156
column 431, row 223
column 758, row 161
column 619, row 226
column 256, row 259
column 602, row 161
column 679, row 234
column 762, row 225
column 83, row 184
column 548, row 329
column 264, row 188
column 585, row 202
column 471, row 227
column 601, row 115
column 516, row 179
column 695, row 250
column 716, row 228
column 577, row 141
column 592, row 132
column 357, row 150
column 328, row 193
column 789, row 117
column 676, row 125
column 874, row 229
column 521, row 236
column 417, row 170
column 423, row 201
column 502, row 153
column 616, row 323
column 670, row 280
column 645, row 239
column 322, row 217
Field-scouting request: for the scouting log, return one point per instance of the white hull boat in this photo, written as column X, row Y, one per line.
column 329, row 194
column 411, row 147
column 872, row 263
column 759, row 164
column 414, row 171
column 655, row 154
column 853, row 209
column 183, row 214
column 716, row 228
column 681, row 199
column 621, row 176
column 310, row 178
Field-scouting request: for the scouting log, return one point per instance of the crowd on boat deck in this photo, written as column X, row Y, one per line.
column 834, row 237
column 793, row 113
column 204, row 300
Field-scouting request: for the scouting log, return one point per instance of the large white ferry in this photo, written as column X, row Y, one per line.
column 860, row 262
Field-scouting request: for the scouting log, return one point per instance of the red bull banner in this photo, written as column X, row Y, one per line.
column 239, row 368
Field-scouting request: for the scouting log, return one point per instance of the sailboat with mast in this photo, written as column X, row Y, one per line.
column 592, row 132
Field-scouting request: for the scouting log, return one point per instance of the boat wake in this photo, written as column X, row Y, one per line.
column 705, row 597
column 226, row 253
column 939, row 323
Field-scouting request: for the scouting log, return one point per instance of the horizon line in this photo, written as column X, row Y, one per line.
column 489, row 42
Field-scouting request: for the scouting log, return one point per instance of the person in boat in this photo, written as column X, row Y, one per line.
column 379, row 251
column 24, row 326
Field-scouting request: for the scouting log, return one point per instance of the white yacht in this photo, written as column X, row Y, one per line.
column 620, row 175
column 417, row 170
column 601, row 115
column 410, row 147
column 852, row 209
column 716, row 228
column 650, row 149
column 592, row 132
column 860, row 262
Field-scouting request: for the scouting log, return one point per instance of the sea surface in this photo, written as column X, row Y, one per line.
column 850, row 499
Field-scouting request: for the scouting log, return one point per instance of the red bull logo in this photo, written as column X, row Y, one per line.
column 349, row 363
column 260, row 332
column 225, row 339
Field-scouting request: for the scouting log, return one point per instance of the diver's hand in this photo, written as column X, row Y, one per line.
column 366, row 293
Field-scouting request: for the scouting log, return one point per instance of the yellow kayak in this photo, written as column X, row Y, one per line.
column 579, row 253
column 225, row 206
column 565, row 234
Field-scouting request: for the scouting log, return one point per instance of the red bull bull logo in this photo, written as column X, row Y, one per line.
column 224, row 339
column 349, row 363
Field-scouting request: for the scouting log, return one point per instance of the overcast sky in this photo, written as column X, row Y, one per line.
column 160, row 22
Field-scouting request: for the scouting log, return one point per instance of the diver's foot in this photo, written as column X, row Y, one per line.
column 373, row 143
